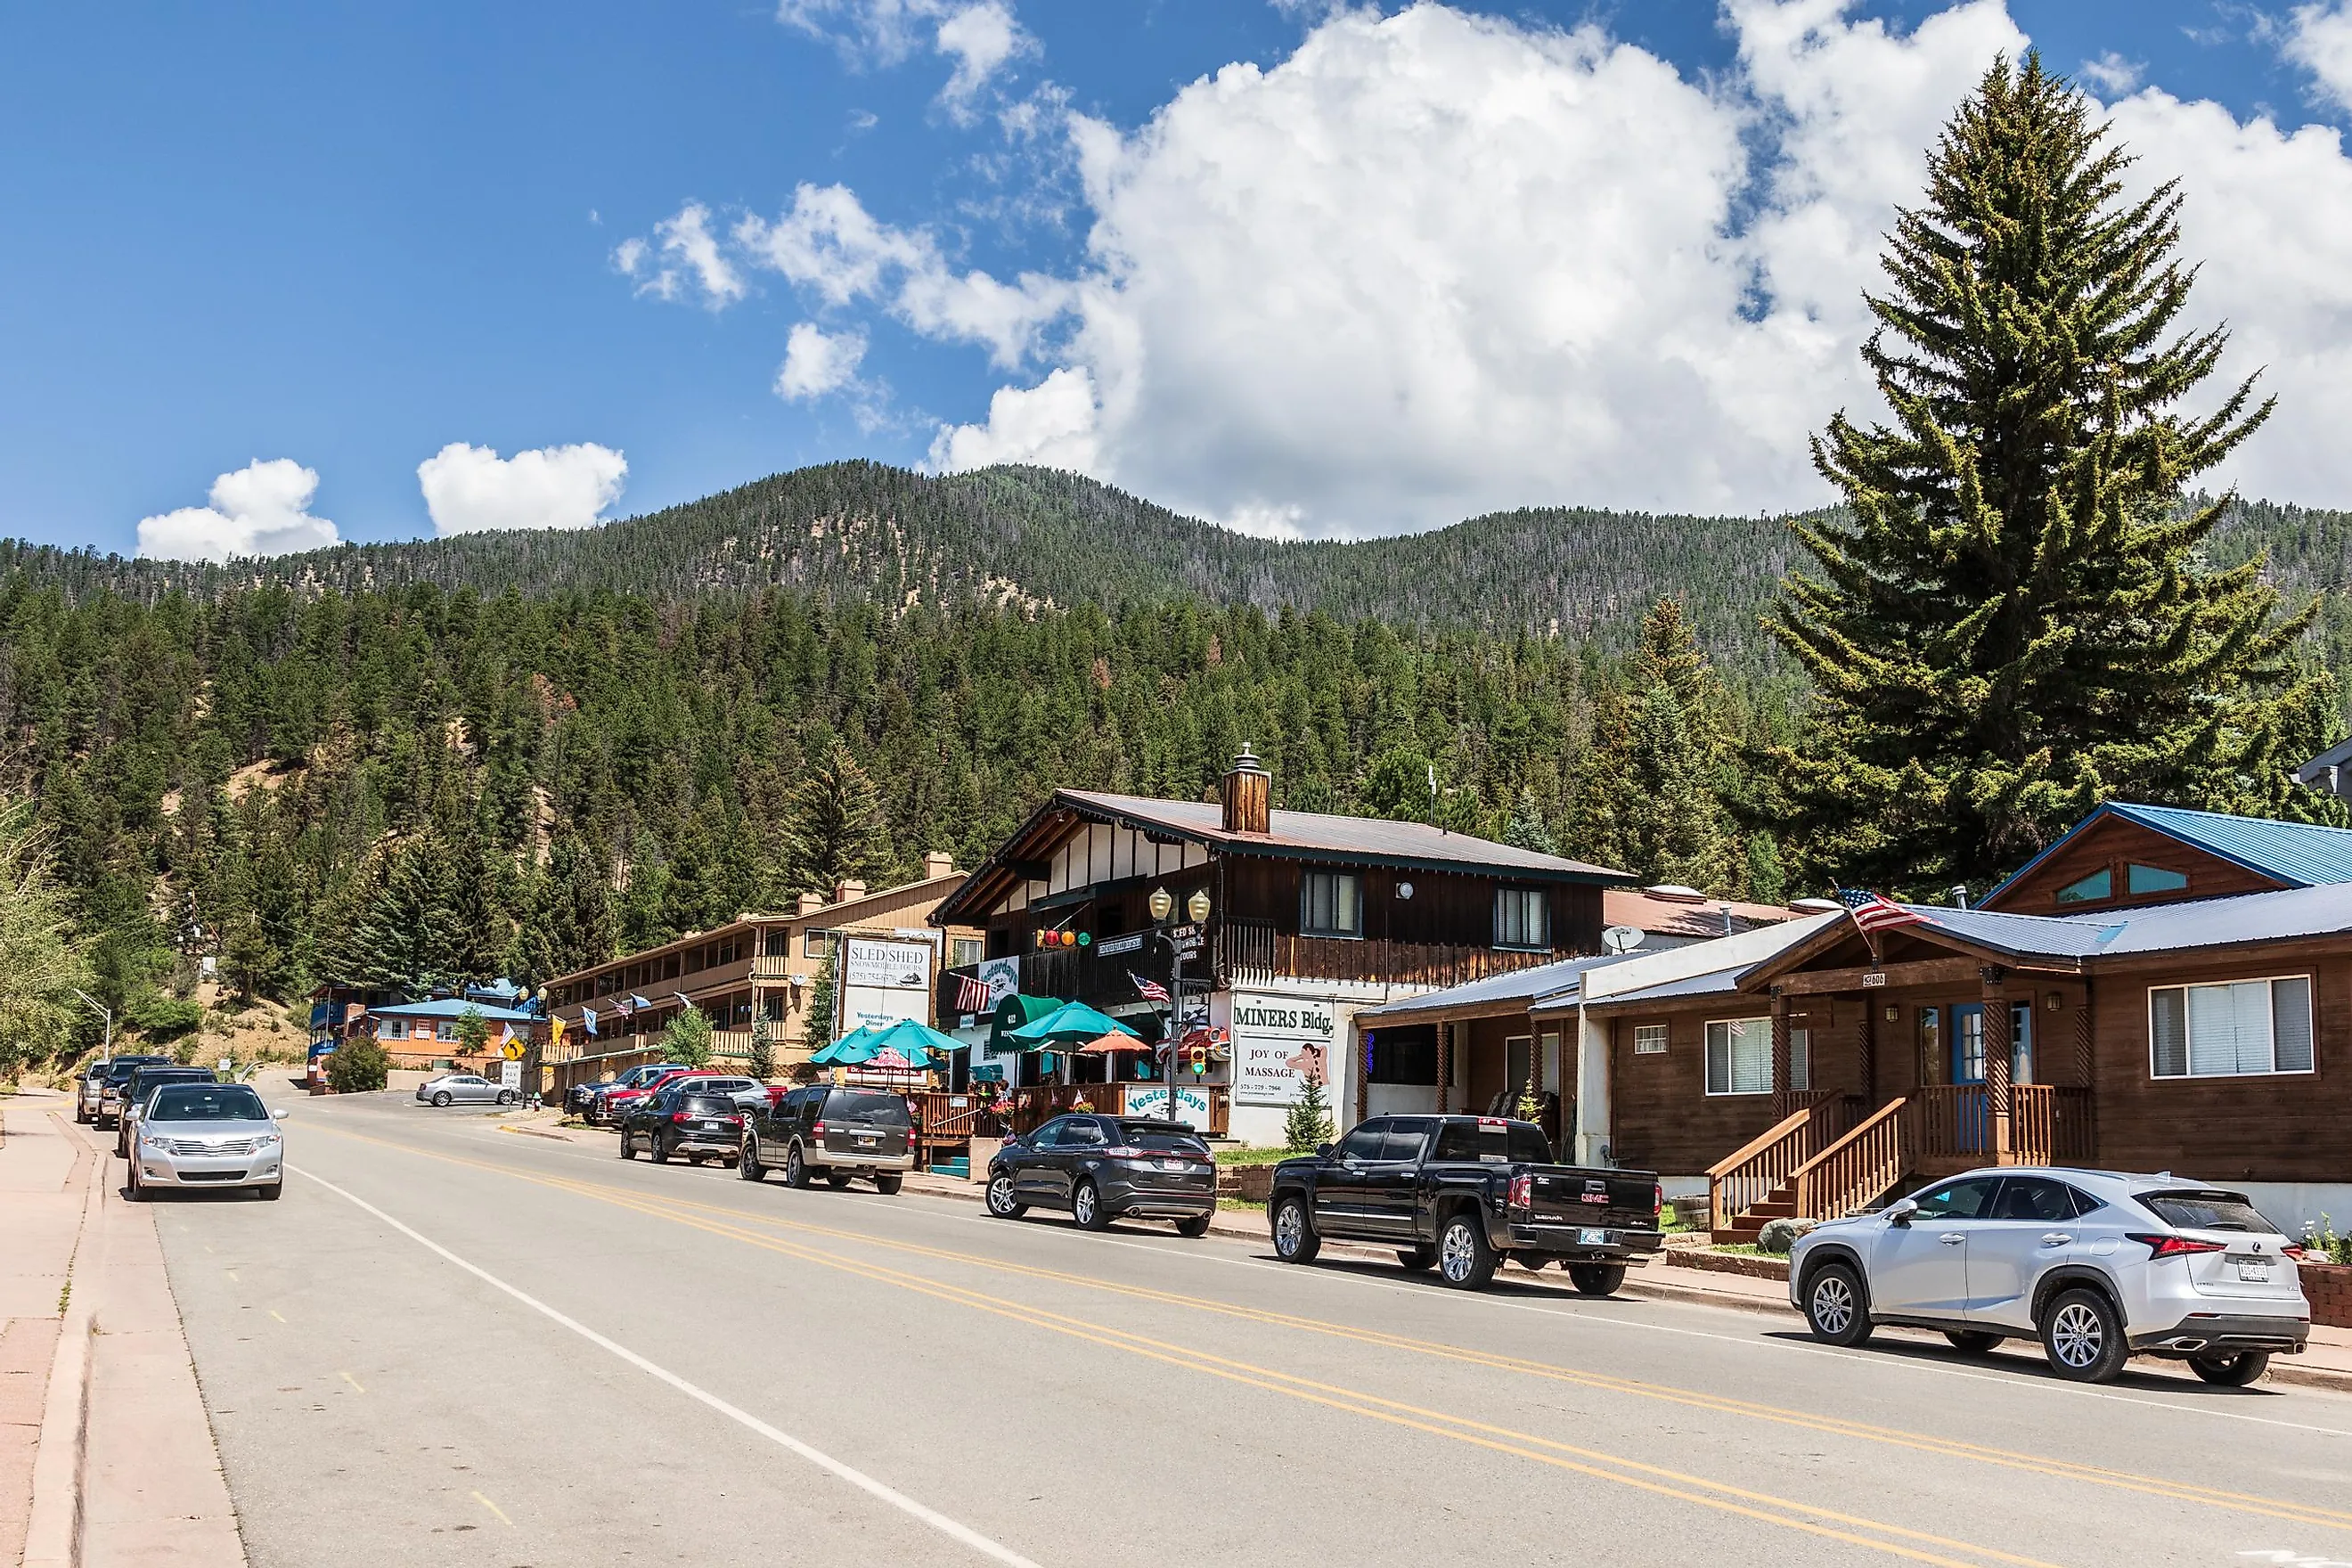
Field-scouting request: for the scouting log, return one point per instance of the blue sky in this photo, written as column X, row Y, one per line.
column 350, row 236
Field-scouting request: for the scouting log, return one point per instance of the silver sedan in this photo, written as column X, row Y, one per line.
column 464, row 1089
column 207, row 1135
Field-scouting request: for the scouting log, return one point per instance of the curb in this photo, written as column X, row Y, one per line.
column 53, row 1526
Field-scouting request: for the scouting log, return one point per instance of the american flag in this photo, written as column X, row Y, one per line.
column 1873, row 913
column 1149, row 990
column 971, row 993
column 621, row 1006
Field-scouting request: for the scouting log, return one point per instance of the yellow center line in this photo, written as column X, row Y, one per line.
column 273, row 1312
column 494, row 1508
column 354, row 1381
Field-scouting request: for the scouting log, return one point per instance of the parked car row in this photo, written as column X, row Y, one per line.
column 181, row 1127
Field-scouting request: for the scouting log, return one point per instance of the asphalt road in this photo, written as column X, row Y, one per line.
column 451, row 1345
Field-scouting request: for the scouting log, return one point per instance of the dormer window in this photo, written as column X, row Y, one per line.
column 2090, row 889
column 2153, row 879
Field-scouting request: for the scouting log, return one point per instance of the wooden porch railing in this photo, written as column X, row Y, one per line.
column 1754, row 1172
column 2049, row 1124
column 945, row 1122
column 1253, row 951
column 1855, row 1168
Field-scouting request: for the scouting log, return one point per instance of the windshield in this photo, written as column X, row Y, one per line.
column 2206, row 1210
column 1148, row 1135
column 710, row 1105
column 875, row 1109
column 207, row 1102
column 117, row 1073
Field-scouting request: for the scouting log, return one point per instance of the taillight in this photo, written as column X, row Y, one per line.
column 1523, row 1192
column 820, row 1130
column 2176, row 1245
column 1658, row 1199
column 732, row 1121
column 679, row 1115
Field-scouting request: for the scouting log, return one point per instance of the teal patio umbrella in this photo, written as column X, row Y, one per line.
column 916, row 1043
column 1071, row 1023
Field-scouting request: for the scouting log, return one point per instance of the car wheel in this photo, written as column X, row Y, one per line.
column 837, row 1180
column 2084, row 1336
column 655, row 1150
column 2231, row 1371
column 273, row 1191
column 1088, row 1208
column 1417, row 1258
column 1837, row 1309
column 134, row 1191
column 1972, row 1341
column 1193, row 1225
column 1596, row 1279
column 441, row 1099
column 746, row 1163
column 889, row 1183
column 508, row 1097
column 1464, row 1260
column 1001, row 1201
column 796, row 1168
column 82, row 1115
column 628, row 1145
column 1295, row 1240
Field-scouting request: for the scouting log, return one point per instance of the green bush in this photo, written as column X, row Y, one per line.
column 687, row 1041
column 358, row 1065
column 162, row 1017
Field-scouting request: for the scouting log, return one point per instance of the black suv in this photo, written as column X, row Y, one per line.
column 106, row 1105
column 145, row 1079
column 700, row 1124
column 839, row 1132
column 1100, row 1167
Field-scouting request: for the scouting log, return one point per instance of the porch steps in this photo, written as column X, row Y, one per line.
column 1747, row 1226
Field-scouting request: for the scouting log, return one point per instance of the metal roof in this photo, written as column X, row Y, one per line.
column 1536, row 984
column 2300, row 854
column 453, row 1008
column 1712, row 983
column 2281, row 915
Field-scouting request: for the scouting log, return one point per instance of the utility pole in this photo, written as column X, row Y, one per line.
column 104, row 1013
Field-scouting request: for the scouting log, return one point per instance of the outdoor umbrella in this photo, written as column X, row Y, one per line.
column 850, row 1049
column 1072, row 1022
column 1115, row 1041
column 914, row 1043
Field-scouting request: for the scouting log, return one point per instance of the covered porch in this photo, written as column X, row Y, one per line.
column 1918, row 1053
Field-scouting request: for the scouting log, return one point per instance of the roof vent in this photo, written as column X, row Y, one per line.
column 1816, row 906
column 1247, row 794
column 1677, row 892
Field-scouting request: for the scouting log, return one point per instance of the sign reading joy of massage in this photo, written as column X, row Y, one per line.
column 1279, row 1042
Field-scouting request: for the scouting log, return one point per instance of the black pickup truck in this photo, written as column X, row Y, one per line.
column 1462, row 1193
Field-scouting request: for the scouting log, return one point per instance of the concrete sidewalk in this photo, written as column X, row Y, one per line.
column 120, row 1468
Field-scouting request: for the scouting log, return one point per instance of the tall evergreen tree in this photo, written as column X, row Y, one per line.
column 833, row 826
column 2013, row 620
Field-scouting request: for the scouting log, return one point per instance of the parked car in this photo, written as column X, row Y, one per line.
column 614, row 1102
column 465, row 1089
column 143, row 1082
column 1463, row 1193
column 207, row 1135
column 105, row 1103
column 745, row 1092
column 585, row 1099
column 1102, row 1168
column 682, row 1120
column 838, row 1132
column 2099, row 1266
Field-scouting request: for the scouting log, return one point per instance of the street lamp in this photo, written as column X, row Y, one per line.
column 1161, row 906
column 104, row 1013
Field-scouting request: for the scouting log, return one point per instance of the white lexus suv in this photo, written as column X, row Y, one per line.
column 2098, row 1267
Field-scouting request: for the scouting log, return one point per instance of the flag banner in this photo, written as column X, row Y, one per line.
column 971, row 993
column 588, row 1021
column 681, row 999
column 1873, row 913
column 1149, row 990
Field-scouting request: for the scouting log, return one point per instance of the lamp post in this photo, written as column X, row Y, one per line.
column 1196, row 908
column 105, row 1014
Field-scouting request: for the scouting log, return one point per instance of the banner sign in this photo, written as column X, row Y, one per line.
column 1279, row 1042
column 884, row 981
column 1149, row 1102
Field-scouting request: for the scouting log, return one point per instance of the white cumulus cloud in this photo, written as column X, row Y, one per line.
column 2318, row 37
column 817, row 362
column 981, row 37
column 262, row 509
column 468, row 489
column 683, row 257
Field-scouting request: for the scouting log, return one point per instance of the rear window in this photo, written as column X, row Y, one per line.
column 2206, row 1211
column 1519, row 1142
column 195, row 1103
column 1159, row 1135
column 875, row 1109
column 710, row 1105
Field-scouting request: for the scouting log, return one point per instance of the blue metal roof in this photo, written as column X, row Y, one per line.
column 453, row 1007
column 2296, row 853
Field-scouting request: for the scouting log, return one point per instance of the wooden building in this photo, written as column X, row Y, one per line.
column 1309, row 917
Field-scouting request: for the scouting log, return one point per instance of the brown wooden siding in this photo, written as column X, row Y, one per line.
column 2114, row 843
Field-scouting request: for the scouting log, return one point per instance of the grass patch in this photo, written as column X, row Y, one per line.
column 1241, row 1203
column 1255, row 1156
column 1743, row 1249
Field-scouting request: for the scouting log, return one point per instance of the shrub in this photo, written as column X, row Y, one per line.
column 1309, row 1121
column 358, row 1065
column 162, row 1017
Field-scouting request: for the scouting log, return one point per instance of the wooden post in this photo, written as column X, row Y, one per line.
column 1865, row 1053
column 1363, row 1076
column 1997, row 1044
column 1783, row 1096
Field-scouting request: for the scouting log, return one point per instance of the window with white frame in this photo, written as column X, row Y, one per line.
column 1522, row 918
column 1739, row 1056
column 1330, row 903
column 446, row 1029
column 1649, row 1039
column 395, row 1028
column 2244, row 1028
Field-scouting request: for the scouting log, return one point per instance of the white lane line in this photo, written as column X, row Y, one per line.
column 822, row 1461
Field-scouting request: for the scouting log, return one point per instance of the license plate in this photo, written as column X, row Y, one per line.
column 867, row 1142
column 1592, row 1239
column 1175, row 1165
column 2254, row 1268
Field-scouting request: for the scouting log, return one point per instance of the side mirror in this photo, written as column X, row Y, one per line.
column 1322, row 1150
column 279, row 1114
column 1900, row 1211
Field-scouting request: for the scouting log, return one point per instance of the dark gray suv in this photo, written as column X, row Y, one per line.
column 838, row 1132
column 1101, row 1167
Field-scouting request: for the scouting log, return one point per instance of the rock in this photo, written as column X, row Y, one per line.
column 1780, row 1235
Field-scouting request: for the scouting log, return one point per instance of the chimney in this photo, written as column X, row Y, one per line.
column 936, row 864
column 1247, row 792
column 810, row 903
column 848, row 890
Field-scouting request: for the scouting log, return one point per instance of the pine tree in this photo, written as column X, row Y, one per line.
column 572, row 918
column 2013, row 619
column 834, row 830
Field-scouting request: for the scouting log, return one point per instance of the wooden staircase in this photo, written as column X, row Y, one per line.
column 1808, row 1165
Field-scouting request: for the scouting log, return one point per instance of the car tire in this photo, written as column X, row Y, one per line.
column 1972, row 1341
column 1837, row 1306
column 1195, row 1225
column 796, row 1172
column 1417, row 1259
column 746, row 1163
column 2083, row 1336
column 1088, row 1208
column 132, row 1190
column 1466, row 1260
column 2231, row 1371
column 83, row 1117
column 441, row 1100
column 889, row 1183
column 1001, row 1204
column 1596, row 1279
column 837, row 1180
column 628, row 1145
column 1295, row 1240
column 655, row 1150
column 508, row 1097
column 273, row 1191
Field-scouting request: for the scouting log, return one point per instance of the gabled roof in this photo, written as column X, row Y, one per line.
column 1508, row 992
column 2299, row 854
column 1664, row 915
column 1292, row 836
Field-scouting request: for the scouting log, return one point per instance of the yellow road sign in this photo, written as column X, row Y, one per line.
column 512, row 1050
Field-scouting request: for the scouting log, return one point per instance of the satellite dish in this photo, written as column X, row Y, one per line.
column 1620, row 938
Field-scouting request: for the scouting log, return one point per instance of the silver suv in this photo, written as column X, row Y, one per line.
column 2098, row 1267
